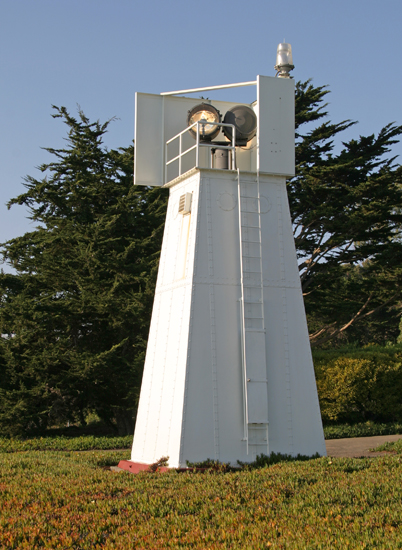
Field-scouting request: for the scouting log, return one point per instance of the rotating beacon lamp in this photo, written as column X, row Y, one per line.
column 209, row 117
column 228, row 373
column 239, row 126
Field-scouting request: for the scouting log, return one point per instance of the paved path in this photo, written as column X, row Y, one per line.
column 358, row 446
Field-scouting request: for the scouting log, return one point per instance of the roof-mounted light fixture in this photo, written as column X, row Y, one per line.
column 204, row 112
column 241, row 117
column 244, row 120
column 284, row 60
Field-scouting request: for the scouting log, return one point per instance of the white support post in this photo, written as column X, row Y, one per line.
column 197, row 151
column 180, row 152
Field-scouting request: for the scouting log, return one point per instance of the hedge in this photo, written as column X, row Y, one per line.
column 360, row 385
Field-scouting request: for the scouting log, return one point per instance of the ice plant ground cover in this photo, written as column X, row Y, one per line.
column 395, row 446
column 64, row 499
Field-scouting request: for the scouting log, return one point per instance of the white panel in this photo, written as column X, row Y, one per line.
column 148, row 157
column 225, row 228
column 181, row 261
column 256, row 360
column 176, row 253
column 158, row 426
column 198, row 412
column 257, row 406
column 256, row 376
column 229, row 371
column 290, row 259
column 180, row 378
column 276, row 130
column 306, row 418
column 277, row 234
column 168, row 367
column 280, row 420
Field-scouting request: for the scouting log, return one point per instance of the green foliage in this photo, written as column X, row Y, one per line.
column 77, row 311
column 362, row 429
column 346, row 211
column 162, row 462
column 211, row 465
column 394, row 446
column 83, row 443
column 263, row 461
column 69, row 500
column 356, row 386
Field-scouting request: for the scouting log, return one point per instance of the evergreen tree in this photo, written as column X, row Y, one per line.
column 346, row 211
column 76, row 313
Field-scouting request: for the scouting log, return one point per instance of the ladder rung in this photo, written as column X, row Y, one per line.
column 253, row 301
column 251, row 242
column 251, row 257
column 255, row 329
column 250, row 271
column 252, row 317
column 251, row 226
column 248, row 197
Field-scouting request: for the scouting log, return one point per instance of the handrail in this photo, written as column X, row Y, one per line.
column 199, row 144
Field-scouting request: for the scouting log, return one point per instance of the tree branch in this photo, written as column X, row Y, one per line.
column 339, row 330
column 358, row 316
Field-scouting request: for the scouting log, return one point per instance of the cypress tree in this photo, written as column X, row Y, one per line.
column 347, row 213
column 76, row 313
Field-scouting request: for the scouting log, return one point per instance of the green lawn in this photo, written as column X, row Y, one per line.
column 65, row 500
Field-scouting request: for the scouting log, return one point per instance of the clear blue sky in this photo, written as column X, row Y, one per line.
column 98, row 53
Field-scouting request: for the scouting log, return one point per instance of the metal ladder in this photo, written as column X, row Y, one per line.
column 255, row 390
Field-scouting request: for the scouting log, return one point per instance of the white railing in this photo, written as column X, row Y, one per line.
column 210, row 144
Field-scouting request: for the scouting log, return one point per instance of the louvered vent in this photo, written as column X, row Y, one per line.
column 185, row 203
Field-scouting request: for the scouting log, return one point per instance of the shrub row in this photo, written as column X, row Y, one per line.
column 61, row 443
column 362, row 429
column 361, row 385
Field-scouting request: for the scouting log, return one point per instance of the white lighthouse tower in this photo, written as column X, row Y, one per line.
column 228, row 372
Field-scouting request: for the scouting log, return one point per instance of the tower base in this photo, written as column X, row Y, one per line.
column 218, row 383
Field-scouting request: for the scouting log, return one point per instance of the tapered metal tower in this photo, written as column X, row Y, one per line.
column 228, row 371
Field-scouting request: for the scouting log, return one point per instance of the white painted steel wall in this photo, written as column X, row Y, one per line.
column 276, row 122
column 191, row 403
